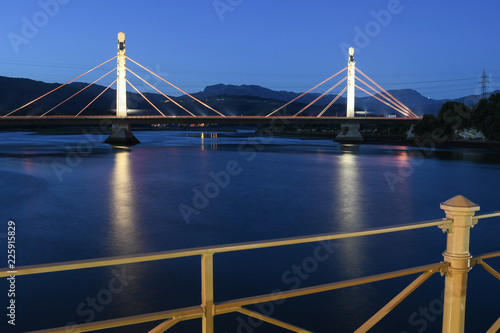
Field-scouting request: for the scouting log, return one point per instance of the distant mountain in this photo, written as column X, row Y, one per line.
column 16, row 92
column 228, row 99
column 244, row 90
column 471, row 100
column 409, row 97
column 258, row 91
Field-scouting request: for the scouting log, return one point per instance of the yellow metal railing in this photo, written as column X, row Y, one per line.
column 457, row 262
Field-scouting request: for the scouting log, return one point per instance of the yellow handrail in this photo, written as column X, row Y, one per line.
column 131, row 259
column 208, row 309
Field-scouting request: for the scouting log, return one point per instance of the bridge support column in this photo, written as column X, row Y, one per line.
column 350, row 133
column 460, row 210
column 121, row 135
column 351, row 83
column 120, row 132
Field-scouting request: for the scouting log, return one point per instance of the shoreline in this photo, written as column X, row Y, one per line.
column 369, row 140
column 400, row 141
column 493, row 146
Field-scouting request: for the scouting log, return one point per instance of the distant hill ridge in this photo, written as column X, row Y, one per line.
column 409, row 97
column 243, row 99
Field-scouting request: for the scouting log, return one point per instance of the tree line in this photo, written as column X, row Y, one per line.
column 455, row 116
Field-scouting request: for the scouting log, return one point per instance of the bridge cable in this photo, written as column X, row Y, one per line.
column 169, row 98
column 79, row 91
column 320, row 96
column 173, row 85
column 62, row 85
column 96, row 98
column 389, row 94
column 406, row 112
column 382, row 89
column 381, row 100
column 333, row 101
column 296, row 98
column 145, row 98
column 395, row 105
column 374, row 96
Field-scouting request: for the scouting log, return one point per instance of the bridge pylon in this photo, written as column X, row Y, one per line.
column 120, row 132
column 351, row 84
column 349, row 131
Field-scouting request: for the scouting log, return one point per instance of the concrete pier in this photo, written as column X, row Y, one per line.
column 121, row 135
column 350, row 132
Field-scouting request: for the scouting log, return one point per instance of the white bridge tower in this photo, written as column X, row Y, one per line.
column 120, row 131
column 121, row 83
column 351, row 75
column 349, row 130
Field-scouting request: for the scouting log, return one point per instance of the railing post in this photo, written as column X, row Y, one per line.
column 460, row 210
column 207, row 292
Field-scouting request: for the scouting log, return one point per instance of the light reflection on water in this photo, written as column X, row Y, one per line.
column 349, row 203
column 209, row 141
column 124, row 220
column 125, row 201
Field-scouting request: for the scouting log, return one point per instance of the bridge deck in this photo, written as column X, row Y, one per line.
column 186, row 120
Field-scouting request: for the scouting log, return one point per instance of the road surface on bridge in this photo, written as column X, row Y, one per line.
column 187, row 120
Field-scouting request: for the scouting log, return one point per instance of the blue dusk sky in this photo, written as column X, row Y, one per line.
column 439, row 48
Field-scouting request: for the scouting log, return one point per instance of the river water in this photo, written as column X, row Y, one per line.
column 73, row 197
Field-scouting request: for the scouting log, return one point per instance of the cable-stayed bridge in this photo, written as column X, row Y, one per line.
column 122, row 121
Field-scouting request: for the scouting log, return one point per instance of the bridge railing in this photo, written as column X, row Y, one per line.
column 455, row 266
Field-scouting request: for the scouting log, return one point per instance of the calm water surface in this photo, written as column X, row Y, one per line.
column 73, row 197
